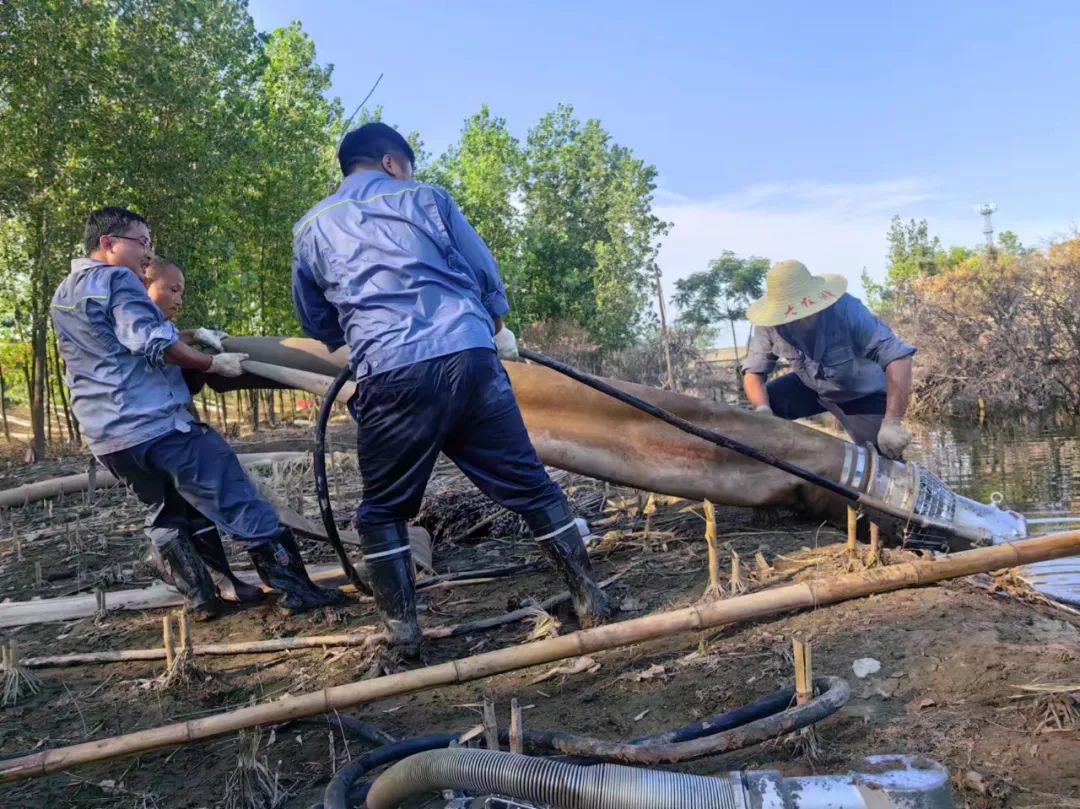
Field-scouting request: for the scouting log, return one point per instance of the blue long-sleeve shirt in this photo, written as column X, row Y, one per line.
column 843, row 358
column 394, row 270
column 113, row 339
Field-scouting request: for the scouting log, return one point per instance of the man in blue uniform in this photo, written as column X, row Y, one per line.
column 165, row 284
column 390, row 267
column 118, row 347
column 843, row 359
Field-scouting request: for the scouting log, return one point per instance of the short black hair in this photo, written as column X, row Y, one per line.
column 368, row 144
column 157, row 265
column 108, row 221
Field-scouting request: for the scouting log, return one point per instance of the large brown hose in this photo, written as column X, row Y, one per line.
column 581, row 430
column 755, row 605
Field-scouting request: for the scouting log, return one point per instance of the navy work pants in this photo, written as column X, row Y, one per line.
column 791, row 399
column 185, row 479
column 460, row 404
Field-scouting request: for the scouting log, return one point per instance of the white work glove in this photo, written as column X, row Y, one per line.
column 506, row 344
column 226, row 364
column 763, row 409
column 892, row 438
column 210, row 338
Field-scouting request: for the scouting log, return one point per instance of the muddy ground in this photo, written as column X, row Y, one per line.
column 954, row 658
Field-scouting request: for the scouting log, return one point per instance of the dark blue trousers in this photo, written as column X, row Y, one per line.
column 187, row 479
column 791, row 399
column 461, row 405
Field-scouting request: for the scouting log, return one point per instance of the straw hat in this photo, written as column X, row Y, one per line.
column 792, row 293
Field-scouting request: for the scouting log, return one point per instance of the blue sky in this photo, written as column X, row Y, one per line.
column 779, row 129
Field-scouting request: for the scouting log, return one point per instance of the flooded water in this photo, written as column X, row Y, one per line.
column 1036, row 470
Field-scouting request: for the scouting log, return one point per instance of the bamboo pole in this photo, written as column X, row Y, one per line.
column 713, row 590
column 874, row 557
column 802, row 595
column 517, row 727
column 804, row 675
column 852, row 531
column 491, row 724
column 167, row 641
column 238, row 648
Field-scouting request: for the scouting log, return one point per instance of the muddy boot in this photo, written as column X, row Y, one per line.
column 281, row 567
column 207, row 542
column 183, row 569
column 388, row 558
column 559, row 537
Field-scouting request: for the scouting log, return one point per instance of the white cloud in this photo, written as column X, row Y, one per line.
column 831, row 227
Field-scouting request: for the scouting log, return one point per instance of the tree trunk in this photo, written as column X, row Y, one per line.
column 735, row 348
column 3, row 405
column 205, row 409
column 664, row 337
column 223, row 409
column 271, row 416
column 61, row 386
column 49, row 410
column 253, row 400
column 37, row 388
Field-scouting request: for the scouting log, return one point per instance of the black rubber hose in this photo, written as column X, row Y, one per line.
column 760, row 720
column 711, row 742
column 350, row 727
column 343, row 792
column 322, row 488
column 846, row 492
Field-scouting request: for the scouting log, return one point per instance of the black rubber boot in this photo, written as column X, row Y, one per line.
column 558, row 536
column 281, row 567
column 207, row 542
column 388, row 559
column 183, row 569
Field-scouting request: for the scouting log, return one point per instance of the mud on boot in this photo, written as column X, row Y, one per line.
column 207, row 541
column 559, row 537
column 181, row 567
column 388, row 558
column 281, row 567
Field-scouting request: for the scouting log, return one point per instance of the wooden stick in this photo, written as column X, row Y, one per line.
column 491, row 724
column 737, row 584
column 875, row 545
column 185, row 632
column 516, row 727
column 704, row 615
column 714, row 590
column 167, row 641
column 852, row 530
column 804, row 675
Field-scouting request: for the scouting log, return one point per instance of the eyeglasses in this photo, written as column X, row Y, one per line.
column 142, row 240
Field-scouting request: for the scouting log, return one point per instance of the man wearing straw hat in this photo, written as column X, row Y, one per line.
column 843, row 359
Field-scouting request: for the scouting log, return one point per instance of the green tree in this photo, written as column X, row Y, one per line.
column 291, row 163
column 588, row 236
column 48, row 105
column 912, row 253
column 483, row 172
column 142, row 103
column 719, row 293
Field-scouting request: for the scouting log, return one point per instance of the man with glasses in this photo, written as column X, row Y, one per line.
column 117, row 346
column 391, row 267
